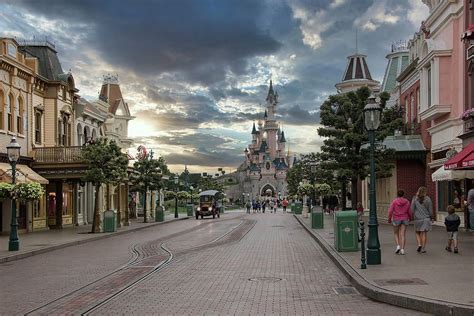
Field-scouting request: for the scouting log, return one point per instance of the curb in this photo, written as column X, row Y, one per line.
column 377, row 293
column 83, row 241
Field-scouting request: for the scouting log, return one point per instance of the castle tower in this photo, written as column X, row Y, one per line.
column 271, row 126
column 357, row 75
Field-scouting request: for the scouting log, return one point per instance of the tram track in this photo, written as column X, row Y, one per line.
column 147, row 259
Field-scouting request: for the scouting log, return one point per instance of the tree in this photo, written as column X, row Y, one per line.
column 344, row 131
column 210, row 184
column 106, row 164
column 148, row 174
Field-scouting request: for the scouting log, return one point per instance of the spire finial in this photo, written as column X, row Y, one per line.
column 357, row 42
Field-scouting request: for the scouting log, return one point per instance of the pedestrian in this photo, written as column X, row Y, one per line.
column 452, row 222
column 270, row 205
column 325, row 204
column 264, row 205
column 247, row 205
column 470, row 214
column 399, row 214
column 275, row 206
column 284, row 203
column 422, row 210
column 254, row 206
column 259, row 207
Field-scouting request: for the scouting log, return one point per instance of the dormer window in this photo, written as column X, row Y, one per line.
column 11, row 50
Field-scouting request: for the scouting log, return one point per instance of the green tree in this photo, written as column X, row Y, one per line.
column 210, row 184
column 106, row 164
column 344, row 131
column 148, row 175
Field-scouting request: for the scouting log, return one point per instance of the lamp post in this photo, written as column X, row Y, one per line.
column 314, row 167
column 372, row 114
column 176, row 182
column 13, row 152
column 191, row 188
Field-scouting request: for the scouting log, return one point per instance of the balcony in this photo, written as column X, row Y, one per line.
column 61, row 155
column 435, row 111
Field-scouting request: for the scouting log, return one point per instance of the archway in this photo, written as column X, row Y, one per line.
column 268, row 190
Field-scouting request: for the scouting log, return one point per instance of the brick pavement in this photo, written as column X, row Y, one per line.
column 274, row 269
column 436, row 281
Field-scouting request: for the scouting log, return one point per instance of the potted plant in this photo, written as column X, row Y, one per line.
column 28, row 191
column 5, row 191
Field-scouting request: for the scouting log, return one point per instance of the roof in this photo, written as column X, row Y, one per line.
column 397, row 62
column 254, row 167
column 281, row 165
column 49, row 66
column 282, row 137
column 357, row 68
column 271, row 93
column 265, row 115
column 209, row 192
column 254, row 130
column 404, row 143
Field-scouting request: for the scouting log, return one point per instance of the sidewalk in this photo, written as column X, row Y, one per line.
column 436, row 282
column 49, row 240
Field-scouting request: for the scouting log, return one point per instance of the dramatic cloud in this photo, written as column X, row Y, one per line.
column 196, row 73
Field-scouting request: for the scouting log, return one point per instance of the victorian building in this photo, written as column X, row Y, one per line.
column 357, row 75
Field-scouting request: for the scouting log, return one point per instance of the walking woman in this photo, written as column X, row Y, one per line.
column 422, row 209
column 400, row 215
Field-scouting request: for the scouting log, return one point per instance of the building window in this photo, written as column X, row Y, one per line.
column 429, row 86
column 38, row 126
column 2, row 108
column 64, row 93
column 64, row 131
column 9, row 113
column 19, row 116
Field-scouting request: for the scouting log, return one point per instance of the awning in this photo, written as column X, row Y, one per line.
column 469, row 33
column 448, row 175
column 457, row 161
column 24, row 174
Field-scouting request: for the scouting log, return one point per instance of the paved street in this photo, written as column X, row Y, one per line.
column 254, row 264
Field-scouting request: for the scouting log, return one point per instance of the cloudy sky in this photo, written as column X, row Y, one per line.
column 195, row 72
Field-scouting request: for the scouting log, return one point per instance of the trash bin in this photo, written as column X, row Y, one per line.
column 110, row 221
column 292, row 207
column 190, row 210
column 346, row 231
column 159, row 214
column 317, row 218
column 298, row 208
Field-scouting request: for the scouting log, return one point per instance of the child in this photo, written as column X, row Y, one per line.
column 452, row 223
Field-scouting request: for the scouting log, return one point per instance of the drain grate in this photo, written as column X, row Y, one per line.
column 265, row 279
column 412, row 281
column 345, row 290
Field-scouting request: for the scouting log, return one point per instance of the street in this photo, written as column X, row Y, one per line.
column 239, row 264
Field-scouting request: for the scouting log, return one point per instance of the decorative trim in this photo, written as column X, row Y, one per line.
column 435, row 111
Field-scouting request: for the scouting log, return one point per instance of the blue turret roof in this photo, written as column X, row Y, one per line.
column 254, row 167
column 254, row 130
column 282, row 137
column 281, row 165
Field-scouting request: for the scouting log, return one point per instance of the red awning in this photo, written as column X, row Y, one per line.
column 463, row 157
column 469, row 33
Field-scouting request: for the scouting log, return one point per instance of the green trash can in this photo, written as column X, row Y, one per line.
column 159, row 214
column 110, row 221
column 298, row 208
column 190, row 210
column 346, row 231
column 317, row 219
column 292, row 207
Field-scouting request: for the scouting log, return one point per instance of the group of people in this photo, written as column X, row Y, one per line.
column 272, row 204
column 420, row 210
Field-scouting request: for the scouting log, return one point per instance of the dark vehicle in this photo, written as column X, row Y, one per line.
column 208, row 204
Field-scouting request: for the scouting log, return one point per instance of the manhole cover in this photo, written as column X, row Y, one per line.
column 265, row 279
column 413, row 281
column 345, row 290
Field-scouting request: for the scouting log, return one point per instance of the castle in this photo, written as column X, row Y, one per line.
column 263, row 173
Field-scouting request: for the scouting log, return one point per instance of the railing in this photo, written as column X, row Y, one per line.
column 58, row 154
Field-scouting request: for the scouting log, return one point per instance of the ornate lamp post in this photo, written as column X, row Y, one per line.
column 314, row 167
column 176, row 182
column 372, row 115
column 13, row 152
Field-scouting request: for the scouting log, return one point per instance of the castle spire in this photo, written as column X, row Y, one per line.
column 271, row 93
column 265, row 115
column 282, row 138
column 254, row 130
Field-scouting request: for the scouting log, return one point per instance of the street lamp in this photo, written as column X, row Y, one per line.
column 176, row 182
column 372, row 114
column 13, row 152
column 314, row 168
